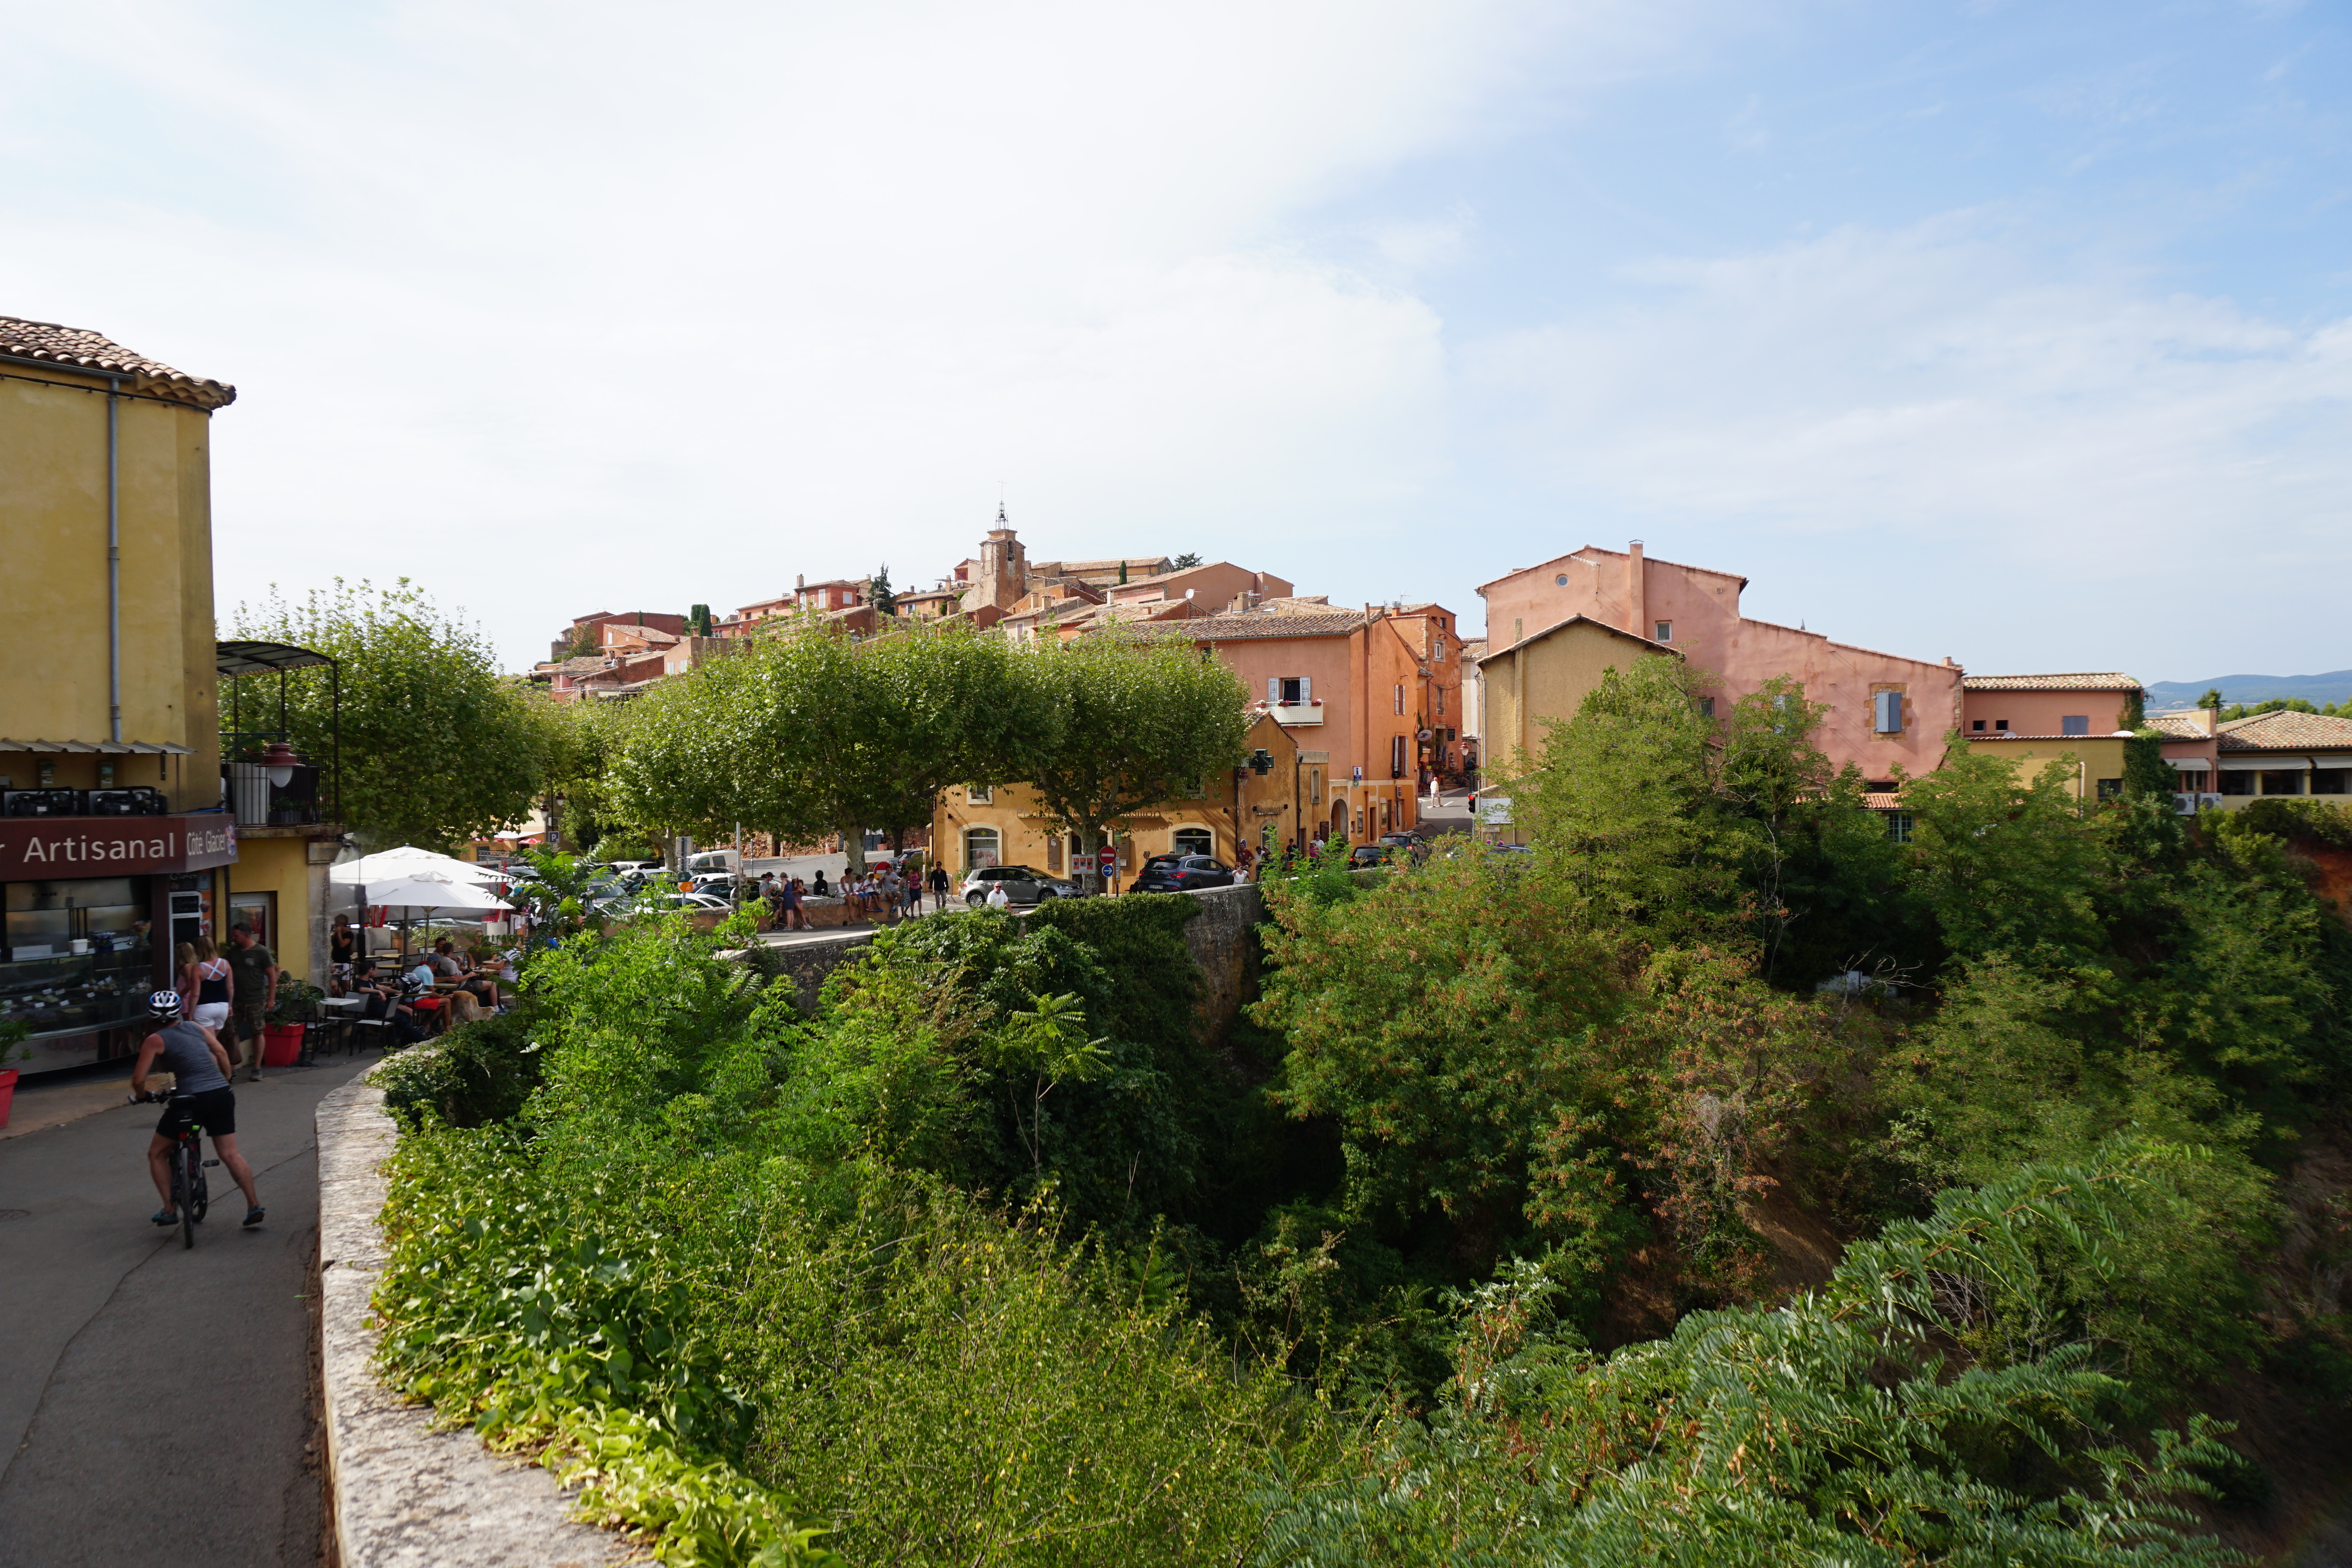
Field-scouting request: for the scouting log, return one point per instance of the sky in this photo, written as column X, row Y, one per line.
column 2016, row 333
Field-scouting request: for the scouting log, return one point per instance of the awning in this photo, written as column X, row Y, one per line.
column 2265, row 764
column 2187, row 764
column 103, row 747
column 252, row 658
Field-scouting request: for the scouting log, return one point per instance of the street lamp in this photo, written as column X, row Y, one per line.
column 281, row 761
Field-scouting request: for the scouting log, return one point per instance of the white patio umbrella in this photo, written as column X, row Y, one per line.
column 387, row 865
column 414, row 885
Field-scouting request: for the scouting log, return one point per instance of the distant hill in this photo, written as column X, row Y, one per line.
column 2334, row 686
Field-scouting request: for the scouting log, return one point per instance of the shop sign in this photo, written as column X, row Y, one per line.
column 46, row 848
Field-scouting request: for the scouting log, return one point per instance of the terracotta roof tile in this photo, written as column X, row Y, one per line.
column 87, row 351
column 1247, row 624
column 2285, row 730
column 2111, row 681
column 2177, row 727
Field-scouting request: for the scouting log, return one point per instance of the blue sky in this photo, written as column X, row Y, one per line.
column 2017, row 333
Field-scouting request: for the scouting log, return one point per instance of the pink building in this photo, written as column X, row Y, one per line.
column 1885, row 711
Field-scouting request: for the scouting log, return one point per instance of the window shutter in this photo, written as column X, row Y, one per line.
column 1274, row 688
column 1306, row 688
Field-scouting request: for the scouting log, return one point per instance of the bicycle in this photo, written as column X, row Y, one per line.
column 190, row 1194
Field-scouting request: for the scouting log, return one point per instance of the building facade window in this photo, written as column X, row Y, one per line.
column 1396, row 757
column 1886, row 713
column 2282, row 781
column 1195, row 842
column 982, row 847
column 2074, row 724
column 1666, row 632
column 1289, row 690
column 1707, row 708
column 1898, row 826
column 1399, row 699
column 1440, row 700
column 2332, row 781
column 1976, row 724
column 2236, row 783
column 2111, row 788
column 978, row 794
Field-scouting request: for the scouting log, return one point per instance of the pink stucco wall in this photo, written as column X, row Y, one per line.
column 2042, row 713
column 1633, row 593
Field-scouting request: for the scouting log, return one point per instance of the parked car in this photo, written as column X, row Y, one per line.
column 1022, row 885
column 702, row 911
column 1363, row 857
column 1402, row 841
column 1180, row 874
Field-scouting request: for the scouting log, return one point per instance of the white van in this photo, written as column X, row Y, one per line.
column 712, row 860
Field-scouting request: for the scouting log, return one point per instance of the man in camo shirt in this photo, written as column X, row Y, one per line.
column 252, row 992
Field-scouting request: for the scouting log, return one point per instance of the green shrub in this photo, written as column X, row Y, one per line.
column 473, row 1074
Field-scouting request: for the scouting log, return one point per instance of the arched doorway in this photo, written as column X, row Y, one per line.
column 1339, row 819
column 1195, row 842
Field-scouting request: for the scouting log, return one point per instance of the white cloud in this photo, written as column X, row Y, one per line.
column 547, row 304
column 1926, row 440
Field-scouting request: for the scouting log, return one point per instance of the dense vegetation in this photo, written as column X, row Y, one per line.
column 1473, row 1244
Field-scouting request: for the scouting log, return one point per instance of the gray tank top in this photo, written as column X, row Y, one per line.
column 190, row 1060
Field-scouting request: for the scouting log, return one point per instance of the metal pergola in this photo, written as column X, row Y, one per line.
column 236, row 659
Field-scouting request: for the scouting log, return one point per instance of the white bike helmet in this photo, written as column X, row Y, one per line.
column 164, row 1004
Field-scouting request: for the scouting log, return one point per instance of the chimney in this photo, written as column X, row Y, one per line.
column 2207, row 720
column 799, row 581
column 1637, row 583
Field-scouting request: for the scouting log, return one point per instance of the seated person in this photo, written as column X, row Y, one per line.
column 444, row 959
column 421, row 977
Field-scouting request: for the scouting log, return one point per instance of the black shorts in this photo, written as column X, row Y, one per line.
column 213, row 1110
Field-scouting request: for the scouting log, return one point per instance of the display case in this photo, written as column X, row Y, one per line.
column 79, row 957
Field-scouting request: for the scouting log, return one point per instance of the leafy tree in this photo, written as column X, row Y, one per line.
column 1188, row 560
column 879, row 593
column 1139, row 722
column 810, row 732
column 2211, row 699
column 436, row 748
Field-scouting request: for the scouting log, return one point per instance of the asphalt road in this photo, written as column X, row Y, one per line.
column 156, row 1404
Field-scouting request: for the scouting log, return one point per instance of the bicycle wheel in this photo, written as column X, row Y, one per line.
column 204, row 1182
column 190, row 1175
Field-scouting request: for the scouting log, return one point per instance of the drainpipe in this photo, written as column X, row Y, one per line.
column 113, row 560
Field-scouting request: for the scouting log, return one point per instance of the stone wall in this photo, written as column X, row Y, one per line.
column 1219, row 936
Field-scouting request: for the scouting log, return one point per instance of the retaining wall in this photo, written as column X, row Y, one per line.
column 404, row 1495
column 1219, row 938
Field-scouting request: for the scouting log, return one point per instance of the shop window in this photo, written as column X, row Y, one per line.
column 2074, row 724
column 2236, row 783
column 2282, row 781
column 978, row 794
column 1195, row 842
column 2332, row 781
column 1898, row 827
column 259, row 911
column 982, row 847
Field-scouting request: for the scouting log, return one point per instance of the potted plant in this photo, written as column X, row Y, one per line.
column 281, row 1030
column 12, row 1033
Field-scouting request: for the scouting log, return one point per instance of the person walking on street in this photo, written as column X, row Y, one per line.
column 200, row 1095
column 208, row 999
column 253, row 991
column 938, row 878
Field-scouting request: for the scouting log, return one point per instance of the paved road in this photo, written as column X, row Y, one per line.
column 155, row 1404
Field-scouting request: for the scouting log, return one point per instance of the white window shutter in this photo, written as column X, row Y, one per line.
column 1274, row 688
column 1306, row 688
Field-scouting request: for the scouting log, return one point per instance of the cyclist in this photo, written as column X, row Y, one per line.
column 200, row 1096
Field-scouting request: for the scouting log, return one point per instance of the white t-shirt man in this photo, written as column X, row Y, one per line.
column 996, row 896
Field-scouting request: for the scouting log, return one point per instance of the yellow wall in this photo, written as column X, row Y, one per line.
column 283, row 866
column 53, row 594
column 1547, row 679
column 2082, row 759
column 1026, row 837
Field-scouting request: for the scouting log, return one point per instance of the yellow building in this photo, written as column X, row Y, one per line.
column 115, row 842
column 2091, row 767
column 974, row 828
column 1544, row 679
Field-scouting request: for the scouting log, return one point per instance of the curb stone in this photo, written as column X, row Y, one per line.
column 404, row 1495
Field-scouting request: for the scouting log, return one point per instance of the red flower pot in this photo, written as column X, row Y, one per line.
column 281, row 1045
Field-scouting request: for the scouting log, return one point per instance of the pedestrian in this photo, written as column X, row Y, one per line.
column 788, row 905
column 253, row 991
column 997, row 897
column 207, row 991
column 888, row 888
column 913, row 892
column 938, row 878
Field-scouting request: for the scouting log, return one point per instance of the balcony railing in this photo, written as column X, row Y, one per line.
column 1290, row 713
